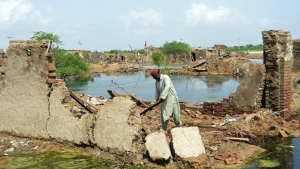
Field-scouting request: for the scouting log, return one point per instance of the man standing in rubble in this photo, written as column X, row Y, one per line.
column 167, row 95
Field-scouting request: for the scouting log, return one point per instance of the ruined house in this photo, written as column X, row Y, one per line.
column 83, row 53
column 219, row 49
column 30, row 83
column 148, row 52
column 118, row 57
column 204, row 53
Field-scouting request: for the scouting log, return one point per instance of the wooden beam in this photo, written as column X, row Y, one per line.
column 82, row 102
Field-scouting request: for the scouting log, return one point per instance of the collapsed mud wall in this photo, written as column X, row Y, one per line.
column 36, row 104
column 32, row 99
column 24, row 80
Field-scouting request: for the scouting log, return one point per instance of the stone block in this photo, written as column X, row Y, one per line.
column 157, row 146
column 187, row 142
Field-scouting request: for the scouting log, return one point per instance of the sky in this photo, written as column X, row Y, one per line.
column 127, row 25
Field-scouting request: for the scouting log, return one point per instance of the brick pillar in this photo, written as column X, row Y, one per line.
column 278, row 61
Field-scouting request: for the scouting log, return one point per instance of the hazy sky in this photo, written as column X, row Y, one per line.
column 105, row 25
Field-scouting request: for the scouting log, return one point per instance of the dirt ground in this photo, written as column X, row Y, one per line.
column 227, row 145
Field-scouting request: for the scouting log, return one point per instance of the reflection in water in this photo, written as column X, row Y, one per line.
column 193, row 89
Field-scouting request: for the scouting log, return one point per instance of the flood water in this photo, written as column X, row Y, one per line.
column 192, row 89
column 283, row 153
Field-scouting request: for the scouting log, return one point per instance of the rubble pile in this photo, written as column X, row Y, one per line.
column 237, row 66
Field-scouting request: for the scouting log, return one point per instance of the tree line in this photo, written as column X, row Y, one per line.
column 68, row 64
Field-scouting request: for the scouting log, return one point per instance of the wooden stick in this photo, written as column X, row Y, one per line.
column 150, row 107
column 132, row 96
column 237, row 139
column 82, row 102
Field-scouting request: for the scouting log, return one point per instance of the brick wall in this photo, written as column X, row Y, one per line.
column 269, row 85
column 247, row 98
column 278, row 61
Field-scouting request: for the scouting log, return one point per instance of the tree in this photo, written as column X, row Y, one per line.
column 176, row 48
column 56, row 42
column 158, row 58
column 66, row 63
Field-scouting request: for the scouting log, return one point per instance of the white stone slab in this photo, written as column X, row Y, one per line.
column 157, row 146
column 187, row 142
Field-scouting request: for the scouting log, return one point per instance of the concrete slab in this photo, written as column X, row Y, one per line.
column 157, row 146
column 187, row 142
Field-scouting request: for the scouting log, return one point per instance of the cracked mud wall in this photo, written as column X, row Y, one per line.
column 23, row 98
column 33, row 102
column 36, row 104
column 61, row 124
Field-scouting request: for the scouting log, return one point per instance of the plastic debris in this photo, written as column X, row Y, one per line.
column 23, row 143
column 228, row 121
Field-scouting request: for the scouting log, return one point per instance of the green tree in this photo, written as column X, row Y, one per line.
column 56, row 42
column 158, row 58
column 69, row 64
column 66, row 63
column 176, row 48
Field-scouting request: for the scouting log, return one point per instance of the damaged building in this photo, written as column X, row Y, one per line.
column 41, row 105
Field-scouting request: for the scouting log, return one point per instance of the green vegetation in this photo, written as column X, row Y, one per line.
column 158, row 58
column 57, row 159
column 169, row 49
column 176, row 48
column 67, row 64
column 141, row 51
column 249, row 47
column 56, row 43
column 268, row 163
